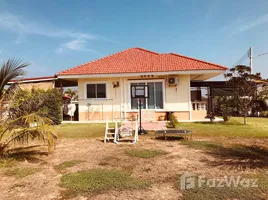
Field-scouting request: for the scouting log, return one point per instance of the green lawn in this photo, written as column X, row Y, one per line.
column 98, row 181
column 80, row 130
column 256, row 127
column 144, row 153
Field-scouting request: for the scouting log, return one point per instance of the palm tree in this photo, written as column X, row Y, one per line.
column 11, row 69
column 72, row 93
column 32, row 126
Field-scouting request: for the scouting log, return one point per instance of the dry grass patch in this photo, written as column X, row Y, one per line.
column 241, row 151
column 95, row 181
column 118, row 163
column 63, row 166
column 7, row 162
column 21, row 172
column 145, row 153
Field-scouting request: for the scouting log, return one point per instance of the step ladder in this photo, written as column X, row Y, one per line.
column 111, row 133
column 114, row 134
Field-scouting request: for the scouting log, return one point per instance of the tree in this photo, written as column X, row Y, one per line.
column 11, row 69
column 72, row 93
column 32, row 125
column 26, row 102
column 244, row 84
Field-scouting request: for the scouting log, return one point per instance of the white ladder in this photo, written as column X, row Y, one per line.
column 111, row 133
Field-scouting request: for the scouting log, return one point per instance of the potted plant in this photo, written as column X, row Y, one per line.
column 211, row 117
column 132, row 117
column 161, row 117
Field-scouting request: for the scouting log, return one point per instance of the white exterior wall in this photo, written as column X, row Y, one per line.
column 177, row 98
column 117, row 104
column 111, row 104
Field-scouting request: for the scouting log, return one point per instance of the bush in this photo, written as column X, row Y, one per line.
column 36, row 100
column 173, row 121
column 264, row 114
column 211, row 117
column 227, row 106
column 259, row 106
column 224, row 107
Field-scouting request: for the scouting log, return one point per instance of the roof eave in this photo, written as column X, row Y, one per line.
column 186, row 72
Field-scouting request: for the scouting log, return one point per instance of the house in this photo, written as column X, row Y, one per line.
column 104, row 85
column 45, row 82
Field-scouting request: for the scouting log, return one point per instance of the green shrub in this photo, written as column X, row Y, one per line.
column 224, row 107
column 173, row 121
column 264, row 114
column 36, row 100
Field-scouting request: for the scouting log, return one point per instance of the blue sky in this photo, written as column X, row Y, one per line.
column 57, row 34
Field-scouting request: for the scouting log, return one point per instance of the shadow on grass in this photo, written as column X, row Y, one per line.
column 221, row 123
column 238, row 157
column 32, row 153
column 241, row 157
column 169, row 138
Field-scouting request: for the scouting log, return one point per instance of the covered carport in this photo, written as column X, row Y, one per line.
column 213, row 89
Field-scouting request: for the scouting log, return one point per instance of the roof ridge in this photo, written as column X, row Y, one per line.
column 81, row 65
column 175, row 54
column 145, row 50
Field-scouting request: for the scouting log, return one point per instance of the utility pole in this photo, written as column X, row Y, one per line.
column 251, row 59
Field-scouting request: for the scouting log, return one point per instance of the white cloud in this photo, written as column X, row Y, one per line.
column 261, row 20
column 23, row 27
column 78, row 44
column 239, row 26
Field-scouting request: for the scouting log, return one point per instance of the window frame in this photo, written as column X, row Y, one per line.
column 147, row 81
column 95, row 83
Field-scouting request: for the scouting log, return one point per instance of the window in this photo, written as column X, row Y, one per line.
column 155, row 100
column 95, row 91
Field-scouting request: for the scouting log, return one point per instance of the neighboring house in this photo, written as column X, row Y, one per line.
column 46, row 82
column 105, row 83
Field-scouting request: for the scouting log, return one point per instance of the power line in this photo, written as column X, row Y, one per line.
column 242, row 59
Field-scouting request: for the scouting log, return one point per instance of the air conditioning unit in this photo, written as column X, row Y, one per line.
column 173, row 80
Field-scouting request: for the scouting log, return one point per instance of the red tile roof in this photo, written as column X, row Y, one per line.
column 138, row 60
